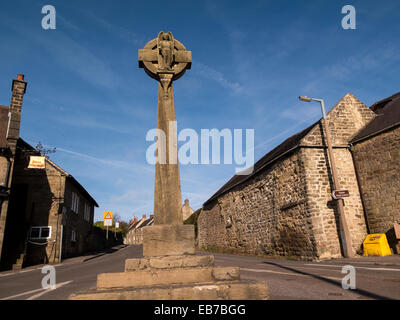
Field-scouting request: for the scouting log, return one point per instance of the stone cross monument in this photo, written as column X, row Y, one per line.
column 169, row 269
column 165, row 59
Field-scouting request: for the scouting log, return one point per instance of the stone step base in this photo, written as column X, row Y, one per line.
column 166, row 277
column 226, row 290
column 169, row 262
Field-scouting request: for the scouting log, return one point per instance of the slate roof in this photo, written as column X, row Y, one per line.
column 147, row 222
column 266, row 161
column 141, row 223
column 387, row 116
column 133, row 225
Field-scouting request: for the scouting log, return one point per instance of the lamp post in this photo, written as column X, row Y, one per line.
column 344, row 230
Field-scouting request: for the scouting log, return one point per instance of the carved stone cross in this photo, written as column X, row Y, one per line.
column 165, row 59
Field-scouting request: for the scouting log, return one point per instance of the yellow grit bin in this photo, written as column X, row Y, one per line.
column 376, row 245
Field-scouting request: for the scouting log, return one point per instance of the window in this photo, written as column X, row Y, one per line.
column 88, row 208
column 75, row 202
column 40, row 232
column 73, row 235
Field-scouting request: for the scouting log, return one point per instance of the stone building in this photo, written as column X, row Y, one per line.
column 186, row 210
column 45, row 213
column 285, row 206
column 376, row 150
column 135, row 231
column 134, row 234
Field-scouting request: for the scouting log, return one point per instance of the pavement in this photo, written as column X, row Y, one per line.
column 376, row 278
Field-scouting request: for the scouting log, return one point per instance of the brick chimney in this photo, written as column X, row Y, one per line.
column 18, row 90
column 144, row 217
column 135, row 220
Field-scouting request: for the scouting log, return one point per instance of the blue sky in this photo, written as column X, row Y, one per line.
column 87, row 97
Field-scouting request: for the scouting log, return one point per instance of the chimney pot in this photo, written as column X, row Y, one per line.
column 20, row 76
column 144, row 216
column 151, row 216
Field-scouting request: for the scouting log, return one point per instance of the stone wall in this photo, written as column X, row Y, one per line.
column 378, row 165
column 3, row 169
column 18, row 91
column 287, row 209
column 345, row 120
column 34, row 201
column 323, row 210
column 265, row 215
column 47, row 192
column 99, row 239
column 75, row 221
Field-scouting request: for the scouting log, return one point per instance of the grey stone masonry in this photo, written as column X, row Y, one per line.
column 287, row 209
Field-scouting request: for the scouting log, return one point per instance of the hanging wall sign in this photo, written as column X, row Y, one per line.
column 36, row 162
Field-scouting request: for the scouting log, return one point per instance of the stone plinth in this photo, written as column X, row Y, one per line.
column 186, row 277
column 243, row 290
column 168, row 240
column 166, row 277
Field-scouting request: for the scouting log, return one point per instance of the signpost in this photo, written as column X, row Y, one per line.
column 108, row 218
column 340, row 194
column 115, row 229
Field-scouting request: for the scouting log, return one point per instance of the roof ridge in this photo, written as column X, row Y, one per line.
column 385, row 100
column 270, row 157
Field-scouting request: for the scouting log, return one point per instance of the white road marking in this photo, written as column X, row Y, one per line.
column 47, row 290
column 23, row 271
column 287, row 273
column 33, row 291
column 357, row 267
column 300, row 267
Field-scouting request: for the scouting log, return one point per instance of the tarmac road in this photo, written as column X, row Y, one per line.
column 376, row 278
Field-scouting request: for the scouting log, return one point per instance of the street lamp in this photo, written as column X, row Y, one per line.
column 344, row 231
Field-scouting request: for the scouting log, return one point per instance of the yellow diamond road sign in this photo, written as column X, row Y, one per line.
column 107, row 219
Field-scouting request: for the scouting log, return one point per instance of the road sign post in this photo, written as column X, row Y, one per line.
column 115, row 229
column 339, row 194
column 108, row 218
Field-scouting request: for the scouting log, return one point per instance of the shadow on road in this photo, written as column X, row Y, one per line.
column 359, row 291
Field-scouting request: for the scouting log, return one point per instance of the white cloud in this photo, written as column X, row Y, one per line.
column 210, row 73
column 128, row 166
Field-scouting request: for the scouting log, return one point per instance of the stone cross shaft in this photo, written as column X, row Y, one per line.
column 166, row 60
